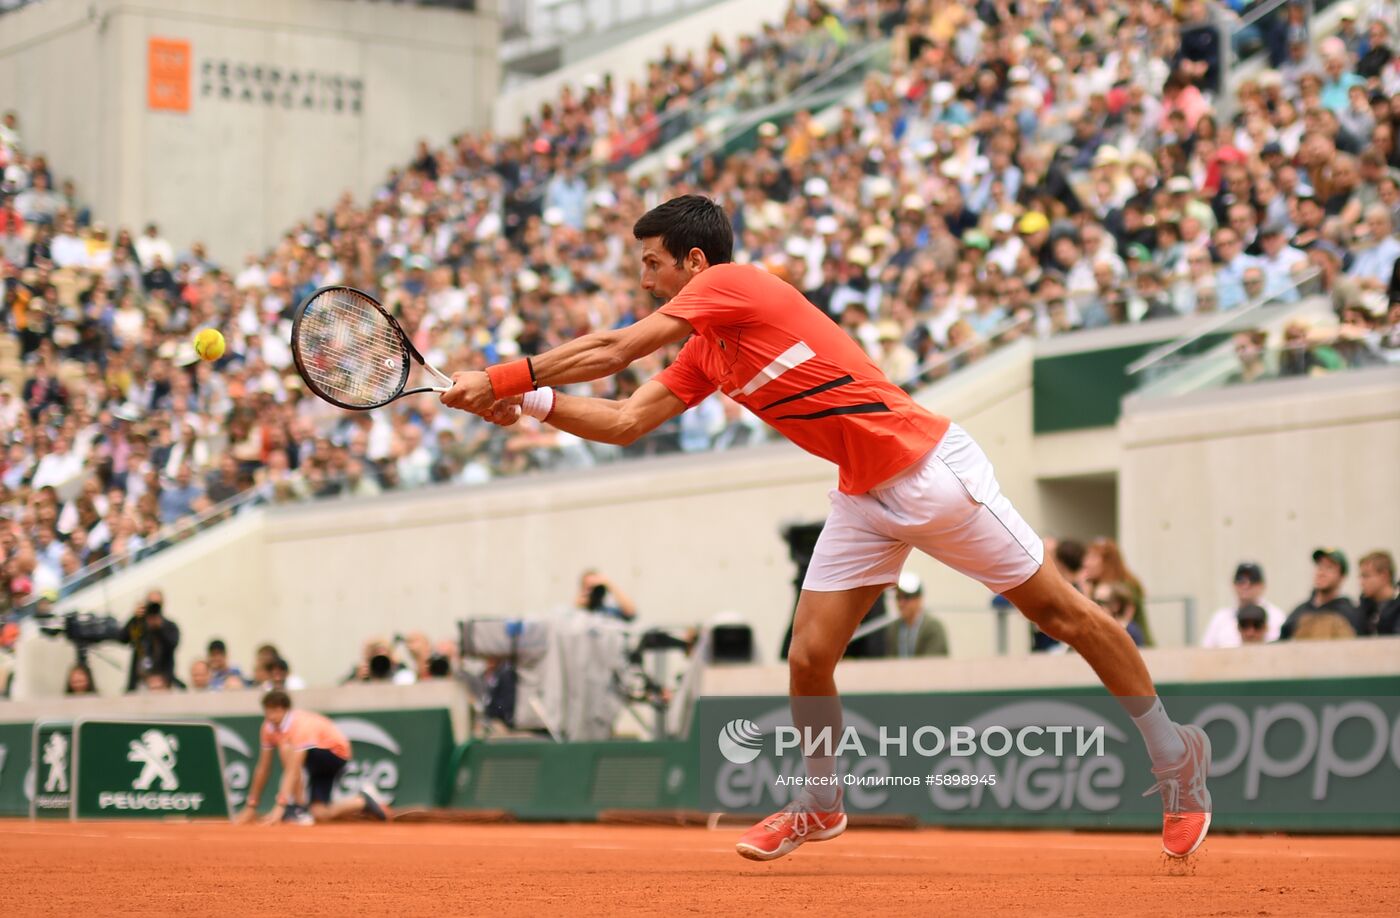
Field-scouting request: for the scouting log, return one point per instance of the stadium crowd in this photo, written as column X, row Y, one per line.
column 1100, row 571
column 1018, row 169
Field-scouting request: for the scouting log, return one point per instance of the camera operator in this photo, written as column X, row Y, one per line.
column 379, row 664
column 153, row 639
column 599, row 595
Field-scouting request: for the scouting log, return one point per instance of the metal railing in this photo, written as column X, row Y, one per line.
column 1156, row 358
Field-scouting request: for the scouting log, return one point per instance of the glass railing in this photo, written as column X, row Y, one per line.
column 1262, row 308
column 810, row 73
column 1305, row 350
column 164, row 538
column 778, row 101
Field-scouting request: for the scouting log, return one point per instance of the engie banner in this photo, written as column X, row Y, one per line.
column 1302, row 762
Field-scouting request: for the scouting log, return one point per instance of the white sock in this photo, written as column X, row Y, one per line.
column 1164, row 744
column 822, row 768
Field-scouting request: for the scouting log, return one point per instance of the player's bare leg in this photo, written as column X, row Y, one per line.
column 1180, row 755
column 367, row 802
column 1067, row 615
column 821, row 629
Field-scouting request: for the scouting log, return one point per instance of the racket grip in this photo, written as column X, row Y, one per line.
column 514, row 378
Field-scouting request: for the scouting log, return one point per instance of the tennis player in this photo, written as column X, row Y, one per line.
column 309, row 743
column 908, row 479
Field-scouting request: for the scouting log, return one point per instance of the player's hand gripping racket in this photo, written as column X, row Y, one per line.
column 352, row 353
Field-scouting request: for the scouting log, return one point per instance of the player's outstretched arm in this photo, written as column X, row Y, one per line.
column 620, row 422
column 590, row 357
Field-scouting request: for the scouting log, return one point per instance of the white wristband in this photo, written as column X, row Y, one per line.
column 538, row 404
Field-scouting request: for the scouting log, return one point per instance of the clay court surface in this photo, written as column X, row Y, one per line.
column 367, row 869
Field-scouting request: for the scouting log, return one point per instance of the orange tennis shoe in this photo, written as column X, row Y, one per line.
column 1185, row 798
column 798, row 822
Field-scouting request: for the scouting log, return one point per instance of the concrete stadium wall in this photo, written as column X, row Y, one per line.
column 231, row 172
column 1268, row 473
column 628, row 60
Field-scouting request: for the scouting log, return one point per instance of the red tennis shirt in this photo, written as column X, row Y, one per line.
column 763, row 344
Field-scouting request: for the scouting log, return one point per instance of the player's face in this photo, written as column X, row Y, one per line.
column 662, row 275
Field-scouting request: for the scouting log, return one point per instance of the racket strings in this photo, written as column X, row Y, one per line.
column 350, row 350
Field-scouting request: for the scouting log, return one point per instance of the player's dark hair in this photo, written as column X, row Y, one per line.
column 688, row 222
column 277, row 699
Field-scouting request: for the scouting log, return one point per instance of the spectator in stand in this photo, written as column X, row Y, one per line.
column 1226, row 626
column 268, row 665
column 222, row 674
column 1104, row 564
column 916, row 633
column 1373, row 264
column 1251, row 351
column 199, row 676
column 280, row 677
column 153, row 249
column 178, row 500
column 1326, row 613
column 1251, row 624
column 1379, row 609
column 1117, row 600
column 79, row 681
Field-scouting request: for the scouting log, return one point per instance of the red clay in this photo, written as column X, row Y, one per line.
column 367, row 869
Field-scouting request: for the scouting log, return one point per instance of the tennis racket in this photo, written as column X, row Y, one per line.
column 352, row 353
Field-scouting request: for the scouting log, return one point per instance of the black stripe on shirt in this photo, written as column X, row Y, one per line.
column 815, row 390
column 867, row 408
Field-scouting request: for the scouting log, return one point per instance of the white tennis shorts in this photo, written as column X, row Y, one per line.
column 948, row 505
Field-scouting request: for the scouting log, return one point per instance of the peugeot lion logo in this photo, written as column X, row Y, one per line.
column 740, row 741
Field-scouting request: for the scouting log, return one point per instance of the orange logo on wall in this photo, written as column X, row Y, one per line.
column 168, row 75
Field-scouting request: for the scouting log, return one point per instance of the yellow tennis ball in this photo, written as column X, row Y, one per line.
column 209, row 344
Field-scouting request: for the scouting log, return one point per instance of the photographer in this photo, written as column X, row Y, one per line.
column 378, row 664
column 600, row 595
column 428, row 663
column 153, row 639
